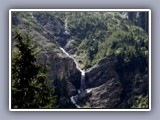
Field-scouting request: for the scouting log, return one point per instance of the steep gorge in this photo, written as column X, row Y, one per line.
column 106, row 52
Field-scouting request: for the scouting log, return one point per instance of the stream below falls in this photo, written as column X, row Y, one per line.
column 74, row 99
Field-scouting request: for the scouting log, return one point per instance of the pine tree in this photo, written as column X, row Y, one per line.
column 30, row 87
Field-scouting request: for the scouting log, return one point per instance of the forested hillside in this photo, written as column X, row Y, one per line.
column 111, row 47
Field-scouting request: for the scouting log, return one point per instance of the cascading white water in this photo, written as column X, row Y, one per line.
column 65, row 27
column 83, row 86
column 65, row 52
column 74, row 102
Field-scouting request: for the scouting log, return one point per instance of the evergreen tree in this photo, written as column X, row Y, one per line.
column 30, row 88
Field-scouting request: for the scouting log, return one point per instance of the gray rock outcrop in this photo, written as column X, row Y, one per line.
column 103, row 82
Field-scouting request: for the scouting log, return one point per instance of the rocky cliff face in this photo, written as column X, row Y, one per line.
column 108, row 89
column 108, row 86
column 104, row 84
column 47, row 33
column 64, row 74
column 101, row 72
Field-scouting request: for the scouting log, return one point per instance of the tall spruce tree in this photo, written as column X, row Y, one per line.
column 30, row 87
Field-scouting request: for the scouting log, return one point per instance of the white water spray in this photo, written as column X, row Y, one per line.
column 83, row 86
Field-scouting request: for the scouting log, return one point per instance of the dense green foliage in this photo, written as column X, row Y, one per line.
column 30, row 87
column 90, row 37
column 98, row 35
column 106, row 34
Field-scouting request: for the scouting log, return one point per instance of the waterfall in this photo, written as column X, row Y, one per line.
column 83, row 86
column 65, row 27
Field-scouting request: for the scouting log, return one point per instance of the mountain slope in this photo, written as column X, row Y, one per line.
column 111, row 46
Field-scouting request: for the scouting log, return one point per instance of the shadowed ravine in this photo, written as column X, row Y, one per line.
column 74, row 99
column 105, row 65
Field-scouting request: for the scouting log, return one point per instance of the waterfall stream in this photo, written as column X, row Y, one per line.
column 83, row 86
column 65, row 27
